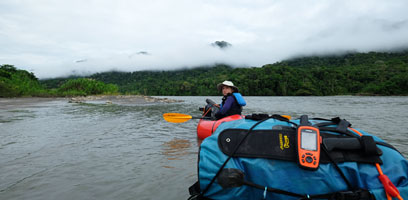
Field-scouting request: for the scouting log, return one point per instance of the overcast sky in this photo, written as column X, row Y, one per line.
column 57, row 37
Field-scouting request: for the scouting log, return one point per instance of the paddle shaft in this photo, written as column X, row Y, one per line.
column 200, row 117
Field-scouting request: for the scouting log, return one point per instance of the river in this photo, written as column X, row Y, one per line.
column 53, row 149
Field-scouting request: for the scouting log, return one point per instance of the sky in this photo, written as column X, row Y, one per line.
column 54, row 38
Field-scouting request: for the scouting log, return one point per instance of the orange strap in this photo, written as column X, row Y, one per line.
column 389, row 187
column 206, row 112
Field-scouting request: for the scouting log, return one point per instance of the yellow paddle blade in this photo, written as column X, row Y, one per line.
column 287, row 116
column 176, row 117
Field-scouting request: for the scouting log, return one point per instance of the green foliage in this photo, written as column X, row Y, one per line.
column 17, row 83
column 355, row 73
column 359, row 73
column 84, row 87
column 14, row 82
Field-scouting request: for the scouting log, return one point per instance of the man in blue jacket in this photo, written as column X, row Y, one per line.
column 232, row 101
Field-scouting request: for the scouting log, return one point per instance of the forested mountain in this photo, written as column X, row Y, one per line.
column 357, row 73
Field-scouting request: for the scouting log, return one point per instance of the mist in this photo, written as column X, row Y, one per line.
column 59, row 38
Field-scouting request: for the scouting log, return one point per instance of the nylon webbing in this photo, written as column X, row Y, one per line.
column 229, row 157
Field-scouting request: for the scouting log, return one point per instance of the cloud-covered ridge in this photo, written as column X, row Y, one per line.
column 53, row 38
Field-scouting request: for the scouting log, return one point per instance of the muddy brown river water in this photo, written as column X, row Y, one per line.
column 52, row 149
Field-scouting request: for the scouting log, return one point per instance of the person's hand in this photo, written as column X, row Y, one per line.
column 217, row 105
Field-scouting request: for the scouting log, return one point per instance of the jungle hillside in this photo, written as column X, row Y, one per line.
column 373, row 73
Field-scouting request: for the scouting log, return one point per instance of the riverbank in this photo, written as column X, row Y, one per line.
column 120, row 99
column 108, row 99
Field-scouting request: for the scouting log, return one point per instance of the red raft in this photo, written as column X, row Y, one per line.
column 206, row 127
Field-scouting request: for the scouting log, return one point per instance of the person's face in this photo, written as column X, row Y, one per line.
column 226, row 90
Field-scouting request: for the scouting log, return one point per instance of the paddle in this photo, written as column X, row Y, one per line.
column 179, row 118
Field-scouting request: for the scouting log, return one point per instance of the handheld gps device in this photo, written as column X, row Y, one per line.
column 308, row 145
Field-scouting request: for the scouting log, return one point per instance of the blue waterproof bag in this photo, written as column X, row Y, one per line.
column 264, row 154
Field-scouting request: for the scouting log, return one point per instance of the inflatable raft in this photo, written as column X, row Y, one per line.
column 206, row 127
column 208, row 124
column 257, row 158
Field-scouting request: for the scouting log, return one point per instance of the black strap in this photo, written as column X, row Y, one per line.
column 262, row 116
column 369, row 145
column 277, row 191
column 229, row 157
column 335, row 120
column 280, row 143
column 304, row 121
column 257, row 117
column 195, row 192
column 335, row 129
column 343, row 125
column 194, row 189
column 358, row 194
column 337, row 167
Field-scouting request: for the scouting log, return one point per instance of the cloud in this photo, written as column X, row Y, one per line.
column 50, row 37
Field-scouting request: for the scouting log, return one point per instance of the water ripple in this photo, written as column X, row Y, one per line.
column 57, row 150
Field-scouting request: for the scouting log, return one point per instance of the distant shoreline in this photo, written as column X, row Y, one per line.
column 107, row 99
column 138, row 99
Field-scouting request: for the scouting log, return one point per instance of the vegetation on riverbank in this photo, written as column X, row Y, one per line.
column 351, row 74
column 20, row 83
column 85, row 87
column 15, row 83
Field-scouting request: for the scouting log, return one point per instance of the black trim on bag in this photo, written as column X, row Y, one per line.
column 281, row 145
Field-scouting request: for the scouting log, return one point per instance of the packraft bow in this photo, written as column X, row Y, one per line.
column 256, row 158
column 206, row 127
column 209, row 124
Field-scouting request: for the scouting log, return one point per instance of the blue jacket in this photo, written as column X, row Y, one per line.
column 231, row 105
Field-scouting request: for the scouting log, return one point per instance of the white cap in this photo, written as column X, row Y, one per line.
column 227, row 83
